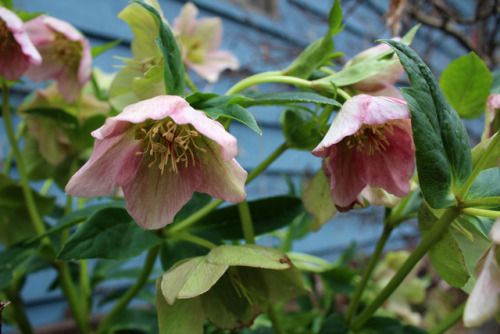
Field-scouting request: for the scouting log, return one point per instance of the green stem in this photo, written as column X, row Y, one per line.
column 260, row 78
column 46, row 186
column 71, row 295
column 273, row 316
column 246, row 222
column 194, row 239
column 195, row 217
column 190, row 83
column 253, row 78
column 84, row 286
column 131, row 292
column 427, row 242
column 481, row 212
column 18, row 312
column 354, row 303
column 449, row 321
column 487, row 201
column 460, row 195
column 264, row 164
column 10, row 155
column 28, row 196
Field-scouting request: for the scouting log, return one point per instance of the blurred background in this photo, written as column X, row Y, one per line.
column 267, row 35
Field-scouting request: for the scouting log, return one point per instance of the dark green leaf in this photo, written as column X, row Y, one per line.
column 11, row 259
column 7, row 4
column 36, row 166
column 268, row 214
column 300, row 130
column 109, row 233
column 382, row 325
column 174, row 68
column 85, row 139
column 196, row 202
column 236, row 112
column 98, row 49
column 173, row 251
column 339, row 279
column 133, row 320
column 281, row 98
column 466, row 84
column 442, row 144
column 334, row 324
column 62, row 117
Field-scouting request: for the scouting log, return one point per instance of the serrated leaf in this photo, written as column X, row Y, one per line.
column 466, row 84
column 174, row 67
column 99, row 49
column 111, row 234
column 281, row 98
column 442, row 144
column 249, row 256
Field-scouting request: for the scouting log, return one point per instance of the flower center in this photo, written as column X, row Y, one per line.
column 371, row 139
column 195, row 49
column 7, row 42
column 168, row 143
column 66, row 51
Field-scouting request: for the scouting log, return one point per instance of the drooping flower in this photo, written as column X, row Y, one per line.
column 199, row 42
column 368, row 144
column 382, row 83
column 17, row 52
column 65, row 55
column 160, row 151
column 491, row 119
column 483, row 301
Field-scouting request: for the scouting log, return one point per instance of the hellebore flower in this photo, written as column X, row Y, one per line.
column 385, row 79
column 160, row 151
column 491, row 119
column 17, row 52
column 369, row 143
column 483, row 301
column 65, row 53
column 199, row 42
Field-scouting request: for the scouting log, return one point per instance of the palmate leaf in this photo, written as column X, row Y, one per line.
column 442, row 145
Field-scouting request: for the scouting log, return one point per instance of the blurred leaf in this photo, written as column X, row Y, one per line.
column 495, row 86
column 133, row 320
column 11, row 259
column 466, row 84
column 334, row 324
column 109, row 233
column 99, row 49
column 300, row 130
column 173, row 251
column 340, row 279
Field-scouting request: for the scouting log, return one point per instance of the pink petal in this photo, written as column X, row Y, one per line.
column 38, row 31
column 213, row 64
column 51, row 68
column 68, row 85
column 209, row 31
column 185, row 24
column 181, row 112
column 359, row 110
column 390, row 91
column 63, row 27
column 113, row 163
column 221, row 179
column 154, row 199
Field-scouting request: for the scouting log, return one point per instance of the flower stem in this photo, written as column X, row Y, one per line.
column 8, row 161
column 449, row 321
column 28, row 196
column 195, row 217
column 481, row 212
column 354, row 303
column 487, row 201
column 131, row 292
column 460, row 195
column 250, row 81
column 194, row 239
column 427, row 242
column 190, row 83
column 269, row 160
column 72, row 296
column 271, row 313
column 246, row 222
column 261, row 78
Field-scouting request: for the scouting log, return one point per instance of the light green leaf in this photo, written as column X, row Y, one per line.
column 249, row 256
column 99, row 49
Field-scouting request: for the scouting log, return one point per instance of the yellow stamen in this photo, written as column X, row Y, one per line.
column 370, row 139
column 66, row 51
column 168, row 143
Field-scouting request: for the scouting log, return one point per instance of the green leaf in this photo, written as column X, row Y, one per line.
column 185, row 316
column 334, row 324
column 487, row 184
column 445, row 255
column 466, row 84
column 7, row 4
column 340, row 279
column 61, row 116
column 174, row 68
column 15, row 221
column 109, row 233
column 268, row 214
column 382, row 325
column 300, row 130
column 99, row 49
column 173, row 251
column 137, row 320
column 236, row 112
column 319, row 52
column 11, row 259
column 281, row 98
column 249, row 256
column 442, row 144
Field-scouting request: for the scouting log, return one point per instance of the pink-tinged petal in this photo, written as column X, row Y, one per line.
column 68, row 85
column 85, row 67
column 483, row 301
column 62, row 27
column 379, row 197
column 359, row 110
column 390, row 91
column 181, row 112
column 51, row 67
column 213, row 64
column 491, row 116
column 495, row 232
column 209, row 31
column 221, row 179
column 38, row 31
column 185, row 24
column 154, row 199
column 113, row 163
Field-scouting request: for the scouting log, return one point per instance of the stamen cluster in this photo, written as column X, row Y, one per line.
column 371, row 139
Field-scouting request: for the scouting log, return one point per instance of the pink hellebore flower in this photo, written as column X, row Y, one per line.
column 382, row 83
column 65, row 53
column 17, row 52
column 160, row 151
column 199, row 42
column 369, row 143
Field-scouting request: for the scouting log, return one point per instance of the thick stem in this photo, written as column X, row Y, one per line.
column 354, row 303
column 131, row 292
column 260, row 78
column 449, row 321
column 190, row 83
column 195, row 217
column 487, row 201
column 28, row 196
column 271, row 313
column 481, row 212
column 243, row 83
column 427, row 242
column 246, row 222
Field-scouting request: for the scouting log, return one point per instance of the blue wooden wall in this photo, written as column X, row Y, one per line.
column 261, row 43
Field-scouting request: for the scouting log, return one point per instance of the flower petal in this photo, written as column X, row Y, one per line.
column 185, row 24
column 209, row 31
column 154, row 199
column 213, row 64
column 113, row 163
